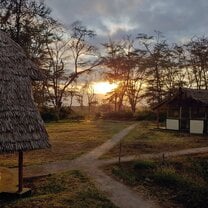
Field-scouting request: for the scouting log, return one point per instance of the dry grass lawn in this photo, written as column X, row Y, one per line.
column 71, row 189
column 146, row 139
column 178, row 182
column 69, row 140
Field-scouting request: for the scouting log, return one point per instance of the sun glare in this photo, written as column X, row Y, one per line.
column 103, row 87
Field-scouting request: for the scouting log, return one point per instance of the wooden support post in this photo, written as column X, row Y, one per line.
column 205, row 121
column 158, row 119
column 167, row 113
column 20, row 172
column 189, row 119
column 119, row 156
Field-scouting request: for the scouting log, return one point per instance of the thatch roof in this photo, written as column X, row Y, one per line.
column 200, row 96
column 21, row 127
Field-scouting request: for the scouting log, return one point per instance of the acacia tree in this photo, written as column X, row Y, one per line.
column 115, row 60
column 156, row 61
column 28, row 22
column 197, row 61
column 67, row 61
column 126, row 68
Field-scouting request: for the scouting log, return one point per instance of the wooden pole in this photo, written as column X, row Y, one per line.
column 158, row 119
column 119, row 156
column 180, row 118
column 20, row 172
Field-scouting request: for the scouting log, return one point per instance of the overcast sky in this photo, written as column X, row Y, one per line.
column 177, row 19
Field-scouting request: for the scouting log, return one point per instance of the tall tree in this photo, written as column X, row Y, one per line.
column 156, row 48
column 115, row 60
column 126, row 68
column 29, row 23
column 197, row 58
column 91, row 96
column 68, row 59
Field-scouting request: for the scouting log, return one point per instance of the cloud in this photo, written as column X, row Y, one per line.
column 177, row 19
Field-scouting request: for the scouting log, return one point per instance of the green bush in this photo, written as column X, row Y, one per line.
column 126, row 176
column 169, row 178
column 193, row 196
column 49, row 114
column 201, row 167
column 144, row 164
column 121, row 115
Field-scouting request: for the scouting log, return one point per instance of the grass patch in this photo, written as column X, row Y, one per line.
column 69, row 140
column 145, row 139
column 176, row 182
column 126, row 176
column 71, row 189
column 168, row 177
column 144, row 164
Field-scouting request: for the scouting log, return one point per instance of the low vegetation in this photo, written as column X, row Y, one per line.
column 69, row 140
column 176, row 182
column 71, row 189
column 146, row 139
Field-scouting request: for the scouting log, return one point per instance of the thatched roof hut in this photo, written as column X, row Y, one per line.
column 21, row 127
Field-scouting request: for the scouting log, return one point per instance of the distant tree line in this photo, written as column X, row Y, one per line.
column 151, row 68
column 145, row 67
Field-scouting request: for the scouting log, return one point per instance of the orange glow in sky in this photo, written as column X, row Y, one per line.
column 103, row 87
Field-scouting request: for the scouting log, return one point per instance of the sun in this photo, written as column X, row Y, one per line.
column 103, row 87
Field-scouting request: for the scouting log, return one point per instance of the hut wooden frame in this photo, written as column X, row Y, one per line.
column 186, row 110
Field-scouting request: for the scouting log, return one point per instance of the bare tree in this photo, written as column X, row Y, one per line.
column 91, row 96
column 68, row 60
column 197, row 58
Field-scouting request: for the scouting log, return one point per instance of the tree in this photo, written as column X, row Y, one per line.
column 91, row 96
column 28, row 22
column 197, row 60
column 157, row 60
column 68, row 59
column 114, row 60
column 126, row 68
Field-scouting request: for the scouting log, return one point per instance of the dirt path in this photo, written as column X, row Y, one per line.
column 121, row 195
column 192, row 151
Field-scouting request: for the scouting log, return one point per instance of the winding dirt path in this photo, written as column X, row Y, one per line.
column 120, row 194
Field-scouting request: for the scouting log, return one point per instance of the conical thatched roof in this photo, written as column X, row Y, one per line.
column 21, row 127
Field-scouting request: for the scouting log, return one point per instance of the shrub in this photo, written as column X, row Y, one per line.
column 187, row 192
column 148, row 116
column 49, row 114
column 144, row 164
column 201, row 167
column 169, row 178
column 121, row 115
column 65, row 112
column 126, row 176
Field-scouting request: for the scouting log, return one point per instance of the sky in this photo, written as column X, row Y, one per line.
column 178, row 20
